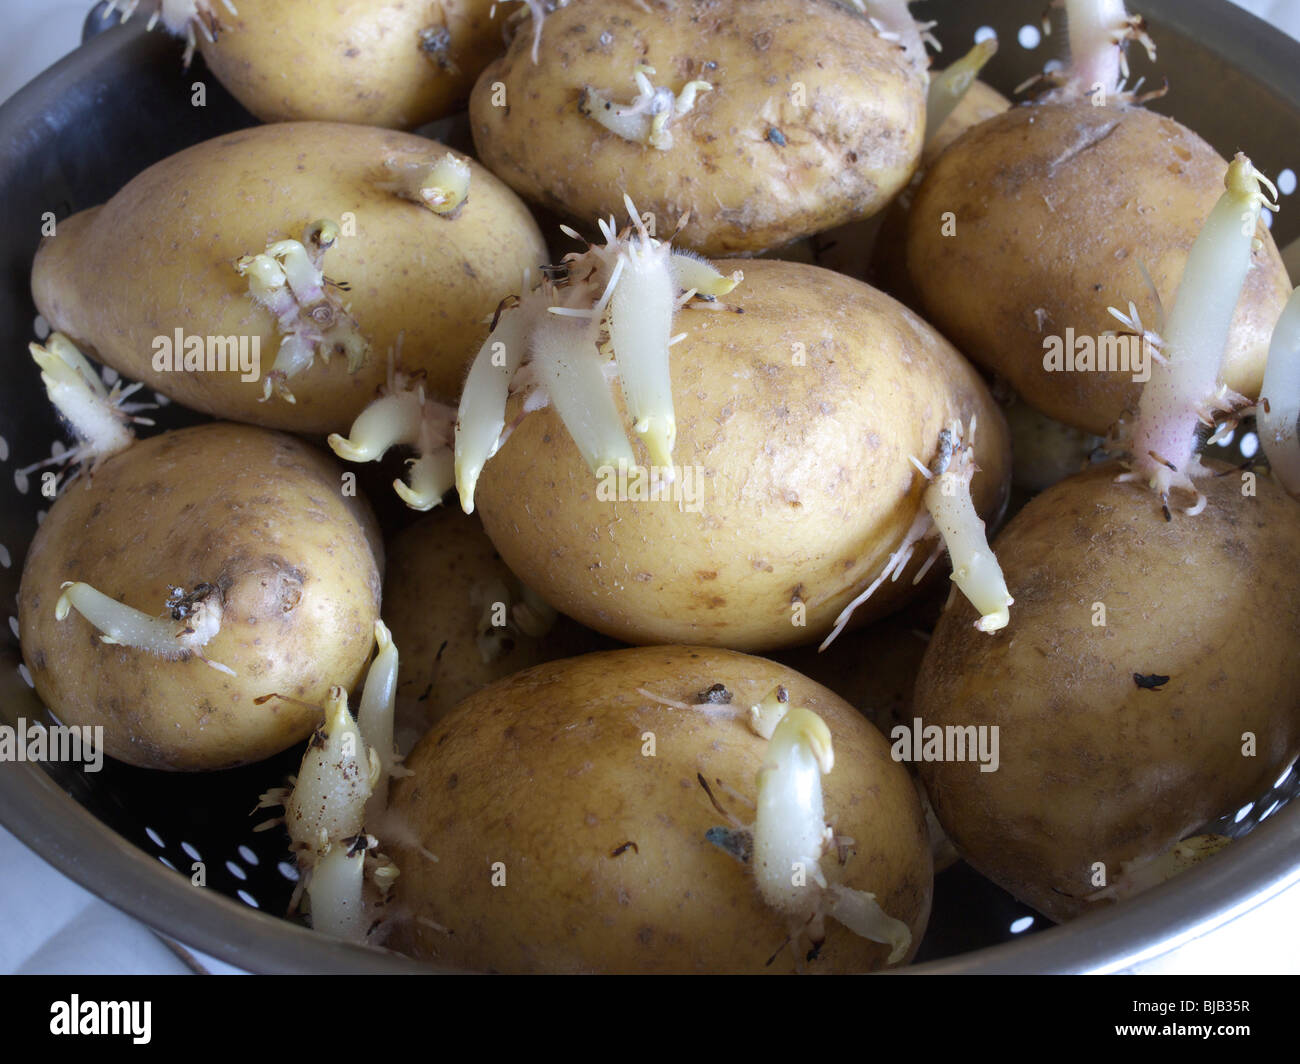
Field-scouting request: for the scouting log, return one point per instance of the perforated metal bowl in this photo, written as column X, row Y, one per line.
column 119, row 103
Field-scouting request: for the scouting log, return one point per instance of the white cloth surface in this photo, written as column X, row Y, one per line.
column 48, row 924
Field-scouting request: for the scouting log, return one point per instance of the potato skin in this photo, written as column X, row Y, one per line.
column 1054, row 206
column 435, row 567
column 854, row 144
column 805, row 483
column 160, row 256
column 545, row 773
column 355, row 61
column 1093, row 767
column 260, row 515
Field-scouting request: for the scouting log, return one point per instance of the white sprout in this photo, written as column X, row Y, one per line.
column 193, row 620
column 1099, row 32
column 948, row 510
column 893, row 22
column 603, row 313
column 645, row 120
column 442, row 186
column 1185, row 390
column 1136, row 876
column 1278, row 415
column 790, row 836
column 288, row 280
column 99, row 419
column 404, row 414
column 181, row 18
column 342, row 786
column 950, row 85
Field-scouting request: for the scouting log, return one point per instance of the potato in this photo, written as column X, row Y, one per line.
column 252, row 526
column 811, row 118
column 442, row 589
column 158, row 261
column 1147, row 684
column 543, row 784
column 794, row 424
column 388, row 63
column 1035, row 222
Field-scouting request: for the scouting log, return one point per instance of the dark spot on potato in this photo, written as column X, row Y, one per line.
column 776, row 137
column 705, row 574
column 645, row 935
column 620, row 850
column 352, row 53
column 716, row 695
column 1153, row 682
column 452, row 781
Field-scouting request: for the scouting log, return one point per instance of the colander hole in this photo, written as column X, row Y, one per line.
column 13, row 626
column 1030, row 37
column 1271, row 810
column 160, row 399
column 1022, row 923
column 27, row 676
column 5, row 560
column 984, row 33
column 155, row 838
column 236, row 871
column 109, row 374
column 288, row 871
column 41, row 327
column 1249, row 445
column 248, row 855
column 1286, row 182
column 40, row 516
column 1226, row 438
column 1268, row 219
column 247, row 898
column 1243, row 812
column 1283, row 778
column 167, row 863
column 1053, row 65
column 4, row 449
column 20, row 481
column 191, row 851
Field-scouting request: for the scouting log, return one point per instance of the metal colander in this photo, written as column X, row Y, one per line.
column 79, row 132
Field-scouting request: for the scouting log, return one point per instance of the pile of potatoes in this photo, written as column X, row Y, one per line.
column 647, row 473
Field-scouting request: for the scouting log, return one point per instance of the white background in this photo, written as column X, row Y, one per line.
column 49, row 924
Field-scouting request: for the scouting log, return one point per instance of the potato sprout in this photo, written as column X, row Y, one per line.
column 99, row 419
column 442, row 186
column 1099, row 32
column 646, row 119
column 894, row 22
column 948, row 510
column 405, row 414
column 950, row 85
column 1278, row 415
column 180, row 17
column 604, row 313
column 341, row 786
column 790, row 835
column 1136, row 876
column 288, row 280
column 193, row 620
column 1185, row 390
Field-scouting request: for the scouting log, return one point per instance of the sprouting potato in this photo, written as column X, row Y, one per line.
column 805, row 415
column 1033, row 223
column 388, row 63
column 624, row 812
column 194, row 573
column 763, row 120
column 1148, row 682
column 274, row 273
column 463, row 619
